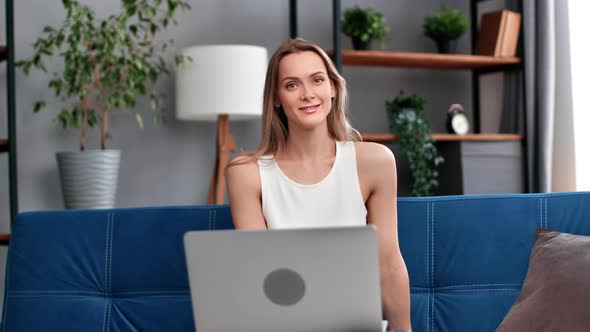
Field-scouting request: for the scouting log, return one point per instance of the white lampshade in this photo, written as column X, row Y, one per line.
column 221, row 79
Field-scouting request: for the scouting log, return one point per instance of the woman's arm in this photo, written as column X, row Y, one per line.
column 245, row 195
column 380, row 171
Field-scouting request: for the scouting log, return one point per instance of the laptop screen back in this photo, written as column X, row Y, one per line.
column 320, row 280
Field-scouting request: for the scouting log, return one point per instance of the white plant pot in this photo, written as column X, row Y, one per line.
column 89, row 178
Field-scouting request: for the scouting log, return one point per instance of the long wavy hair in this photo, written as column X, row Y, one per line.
column 275, row 128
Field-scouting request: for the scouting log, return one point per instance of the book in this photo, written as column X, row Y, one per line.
column 511, row 33
column 498, row 33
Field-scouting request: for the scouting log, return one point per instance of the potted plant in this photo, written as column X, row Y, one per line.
column 107, row 65
column 445, row 27
column 363, row 25
column 408, row 121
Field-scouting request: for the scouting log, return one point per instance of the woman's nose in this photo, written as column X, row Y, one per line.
column 307, row 92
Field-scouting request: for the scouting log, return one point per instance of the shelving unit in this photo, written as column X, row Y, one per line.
column 477, row 64
column 390, row 138
column 426, row 60
column 513, row 144
column 8, row 145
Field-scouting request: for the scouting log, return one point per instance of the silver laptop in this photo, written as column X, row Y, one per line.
column 299, row 280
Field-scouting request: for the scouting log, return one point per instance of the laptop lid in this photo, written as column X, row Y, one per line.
column 298, row 280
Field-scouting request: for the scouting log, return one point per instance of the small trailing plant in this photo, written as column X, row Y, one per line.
column 412, row 128
column 364, row 24
column 448, row 23
column 107, row 63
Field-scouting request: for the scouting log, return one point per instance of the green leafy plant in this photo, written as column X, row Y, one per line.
column 447, row 24
column 107, row 63
column 408, row 121
column 364, row 23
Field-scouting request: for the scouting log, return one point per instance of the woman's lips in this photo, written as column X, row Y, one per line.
column 309, row 109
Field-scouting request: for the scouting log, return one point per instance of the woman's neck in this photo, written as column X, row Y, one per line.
column 308, row 145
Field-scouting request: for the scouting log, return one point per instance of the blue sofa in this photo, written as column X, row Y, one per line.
column 124, row 269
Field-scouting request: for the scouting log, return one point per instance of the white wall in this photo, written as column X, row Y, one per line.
column 580, row 53
column 564, row 177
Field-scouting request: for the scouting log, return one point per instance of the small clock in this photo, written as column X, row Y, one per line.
column 457, row 122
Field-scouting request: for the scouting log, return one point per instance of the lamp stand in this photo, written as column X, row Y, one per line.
column 225, row 145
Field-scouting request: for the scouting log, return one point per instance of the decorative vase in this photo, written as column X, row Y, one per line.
column 89, row 178
column 446, row 46
column 360, row 45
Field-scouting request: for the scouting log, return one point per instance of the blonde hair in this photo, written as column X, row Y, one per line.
column 275, row 129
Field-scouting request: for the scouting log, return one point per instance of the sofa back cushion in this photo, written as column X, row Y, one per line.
column 103, row 270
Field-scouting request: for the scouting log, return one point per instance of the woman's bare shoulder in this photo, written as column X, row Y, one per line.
column 241, row 166
column 376, row 166
column 371, row 154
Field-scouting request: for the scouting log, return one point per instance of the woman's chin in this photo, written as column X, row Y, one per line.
column 311, row 123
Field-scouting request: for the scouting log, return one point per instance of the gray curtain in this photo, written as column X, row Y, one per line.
column 541, row 96
column 532, row 112
column 538, row 22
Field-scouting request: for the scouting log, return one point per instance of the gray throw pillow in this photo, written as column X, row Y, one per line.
column 555, row 295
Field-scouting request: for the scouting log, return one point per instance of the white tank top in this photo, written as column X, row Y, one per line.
column 334, row 201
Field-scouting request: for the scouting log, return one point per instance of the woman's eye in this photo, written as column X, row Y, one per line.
column 291, row 85
column 318, row 80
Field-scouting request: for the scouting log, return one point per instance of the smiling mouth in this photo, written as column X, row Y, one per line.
column 310, row 109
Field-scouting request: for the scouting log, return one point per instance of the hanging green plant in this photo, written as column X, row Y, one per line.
column 408, row 121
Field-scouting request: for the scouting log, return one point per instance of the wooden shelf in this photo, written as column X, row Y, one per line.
column 4, row 145
column 4, row 238
column 390, row 138
column 425, row 60
column 3, row 53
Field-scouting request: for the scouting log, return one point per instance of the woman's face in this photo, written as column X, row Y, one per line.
column 304, row 90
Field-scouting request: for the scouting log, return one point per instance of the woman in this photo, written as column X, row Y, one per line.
column 311, row 170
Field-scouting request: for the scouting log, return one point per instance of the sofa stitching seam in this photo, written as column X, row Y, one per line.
column 106, row 254
column 475, row 285
column 490, row 196
column 546, row 216
column 110, row 260
column 104, row 319
column 432, row 263
column 49, row 292
column 543, row 214
column 540, row 212
column 172, row 292
column 485, row 289
column 106, row 269
column 428, row 264
column 109, row 317
column 111, row 272
column 111, row 255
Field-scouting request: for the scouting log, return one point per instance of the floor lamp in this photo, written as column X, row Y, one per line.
column 221, row 83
